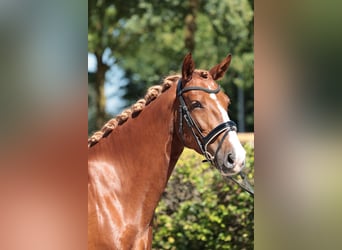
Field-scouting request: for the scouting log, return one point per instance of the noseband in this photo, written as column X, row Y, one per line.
column 202, row 141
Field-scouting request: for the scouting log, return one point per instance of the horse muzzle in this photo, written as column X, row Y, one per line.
column 232, row 165
column 230, row 156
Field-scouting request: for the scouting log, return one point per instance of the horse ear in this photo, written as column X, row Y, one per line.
column 188, row 68
column 218, row 71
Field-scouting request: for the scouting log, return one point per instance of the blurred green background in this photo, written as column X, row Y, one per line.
column 134, row 44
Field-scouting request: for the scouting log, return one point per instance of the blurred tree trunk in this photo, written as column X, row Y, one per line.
column 241, row 109
column 97, row 27
column 190, row 25
column 100, row 102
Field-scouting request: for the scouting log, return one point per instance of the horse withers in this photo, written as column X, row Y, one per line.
column 132, row 157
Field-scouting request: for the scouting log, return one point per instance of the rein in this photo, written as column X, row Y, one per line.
column 244, row 184
column 204, row 141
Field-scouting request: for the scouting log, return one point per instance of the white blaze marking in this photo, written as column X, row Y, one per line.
column 240, row 153
column 224, row 113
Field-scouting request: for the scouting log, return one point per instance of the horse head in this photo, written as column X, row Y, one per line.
column 203, row 121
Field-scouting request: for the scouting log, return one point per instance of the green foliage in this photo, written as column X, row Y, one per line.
column 146, row 38
column 202, row 210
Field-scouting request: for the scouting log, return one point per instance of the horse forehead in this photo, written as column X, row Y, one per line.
column 207, row 82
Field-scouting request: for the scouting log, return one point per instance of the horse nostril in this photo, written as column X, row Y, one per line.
column 230, row 158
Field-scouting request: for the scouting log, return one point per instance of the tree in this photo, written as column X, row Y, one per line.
column 103, row 21
column 148, row 40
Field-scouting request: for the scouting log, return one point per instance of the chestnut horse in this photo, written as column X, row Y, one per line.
column 131, row 159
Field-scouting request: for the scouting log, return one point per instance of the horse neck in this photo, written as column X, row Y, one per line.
column 140, row 155
column 149, row 141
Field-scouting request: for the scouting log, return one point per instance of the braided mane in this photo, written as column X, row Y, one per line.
column 152, row 93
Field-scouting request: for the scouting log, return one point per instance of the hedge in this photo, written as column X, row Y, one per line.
column 202, row 210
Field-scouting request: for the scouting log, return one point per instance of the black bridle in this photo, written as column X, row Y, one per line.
column 204, row 141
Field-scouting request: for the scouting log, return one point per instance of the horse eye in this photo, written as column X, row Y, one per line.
column 196, row 104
